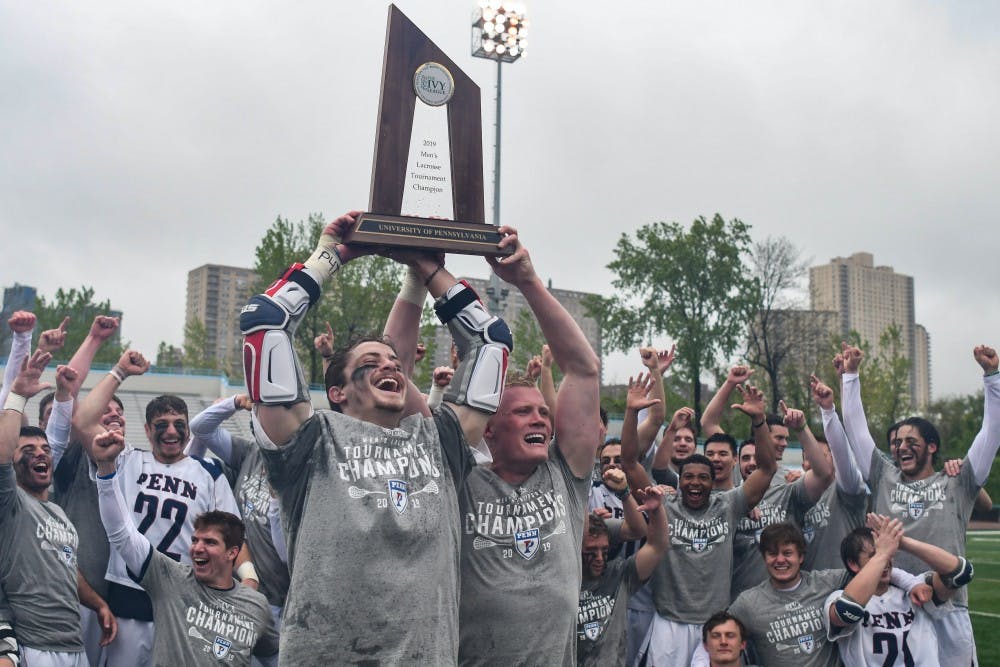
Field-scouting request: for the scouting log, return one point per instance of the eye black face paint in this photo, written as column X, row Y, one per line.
column 361, row 372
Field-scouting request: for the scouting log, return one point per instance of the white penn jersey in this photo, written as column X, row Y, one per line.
column 164, row 500
column 893, row 632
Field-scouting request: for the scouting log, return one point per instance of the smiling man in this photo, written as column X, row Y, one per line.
column 934, row 507
column 38, row 571
column 369, row 488
column 164, row 490
column 692, row 581
column 204, row 616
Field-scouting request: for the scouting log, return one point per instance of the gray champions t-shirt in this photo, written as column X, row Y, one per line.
column 782, row 502
column 199, row 625
column 601, row 613
column 371, row 520
column 935, row 510
column 253, row 497
column 76, row 493
column 786, row 627
column 38, row 569
column 521, row 566
column 828, row 522
column 691, row 582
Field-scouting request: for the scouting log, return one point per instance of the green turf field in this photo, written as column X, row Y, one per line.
column 983, row 549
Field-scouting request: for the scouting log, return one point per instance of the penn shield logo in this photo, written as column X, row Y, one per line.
column 526, row 543
column 809, row 533
column 592, row 630
column 67, row 554
column 916, row 509
column 221, row 646
column 399, row 494
column 699, row 544
column 807, row 644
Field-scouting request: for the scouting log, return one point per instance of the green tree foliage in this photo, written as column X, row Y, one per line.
column 686, row 283
column 82, row 308
column 958, row 420
column 198, row 352
column 356, row 301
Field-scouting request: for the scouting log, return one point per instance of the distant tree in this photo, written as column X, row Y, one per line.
column 198, row 352
column 82, row 308
column 777, row 327
column 687, row 283
column 169, row 356
column 958, row 420
column 357, row 300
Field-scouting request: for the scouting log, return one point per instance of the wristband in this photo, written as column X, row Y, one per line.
column 247, row 571
column 995, row 371
column 110, row 475
column 762, row 421
column 117, row 373
column 431, row 277
column 412, row 291
column 15, row 402
column 623, row 494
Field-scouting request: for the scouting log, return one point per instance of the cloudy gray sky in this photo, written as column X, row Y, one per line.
column 143, row 139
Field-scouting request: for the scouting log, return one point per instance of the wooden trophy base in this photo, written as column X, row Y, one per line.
column 448, row 236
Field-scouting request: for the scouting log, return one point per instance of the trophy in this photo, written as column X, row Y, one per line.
column 427, row 174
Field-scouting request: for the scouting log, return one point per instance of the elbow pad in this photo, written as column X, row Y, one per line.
column 961, row 576
column 268, row 323
column 848, row 611
column 483, row 341
column 8, row 644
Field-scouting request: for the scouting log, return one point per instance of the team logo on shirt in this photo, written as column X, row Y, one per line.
column 915, row 509
column 592, row 630
column 806, row 643
column 398, row 494
column 221, row 647
column 526, row 543
column 699, row 544
column 67, row 554
column 809, row 533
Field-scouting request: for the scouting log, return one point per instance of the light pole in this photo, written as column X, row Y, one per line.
column 500, row 33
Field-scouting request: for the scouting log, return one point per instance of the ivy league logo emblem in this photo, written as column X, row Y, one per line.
column 67, row 554
column 699, row 544
column 221, row 647
column 592, row 630
column 526, row 542
column 398, row 494
column 807, row 643
column 916, row 509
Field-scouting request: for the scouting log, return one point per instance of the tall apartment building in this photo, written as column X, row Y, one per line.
column 513, row 304
column 869, row 299
column 215, row 294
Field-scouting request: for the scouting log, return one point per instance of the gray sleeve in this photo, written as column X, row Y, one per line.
column 8, row 491
column 984, row 447
column 856, row 424
column 207, row 432
column 123, row 535
column 848, row 476
column 20, row 346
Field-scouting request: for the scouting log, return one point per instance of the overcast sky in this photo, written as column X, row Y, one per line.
column 143, row 139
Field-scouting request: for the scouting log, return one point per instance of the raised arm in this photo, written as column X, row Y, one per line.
column 207, row 432
column 403, row 326
column 756, row 484
column 986, row 443
column 123, row 535
column 275, row 380
column 636, row 399
column 546, row 381
column 850, row 607
column 951, row 572
column 87, row 419
column 23, row 386
column 711, row 418
column 21, row 324
column 657, row 362
column 634, row 525
column 657, row 532
column 845, row 469
column 820, row 474
column 61, row 418
column 579, row 393
column 855, row 422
